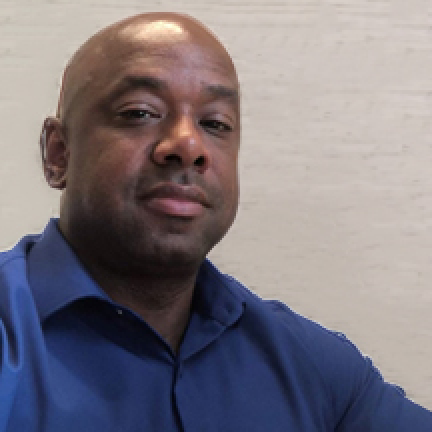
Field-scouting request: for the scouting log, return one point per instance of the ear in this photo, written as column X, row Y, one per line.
column 55, row 153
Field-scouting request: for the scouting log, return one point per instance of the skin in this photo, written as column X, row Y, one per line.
column 148, row 123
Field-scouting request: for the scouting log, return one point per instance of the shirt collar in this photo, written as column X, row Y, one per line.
column 55, row 275
column 215, row 296
column 57, row 278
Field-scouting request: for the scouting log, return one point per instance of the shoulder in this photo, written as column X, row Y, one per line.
column 308, row 332
column 18, row 321
column 14, row 259
column 359, row 397
column 314, row 337
column 14, row 286
column 329, row 355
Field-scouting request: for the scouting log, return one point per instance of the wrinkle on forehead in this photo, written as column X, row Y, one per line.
column 157, row 33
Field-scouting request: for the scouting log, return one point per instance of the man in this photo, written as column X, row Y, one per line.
column 113, row 319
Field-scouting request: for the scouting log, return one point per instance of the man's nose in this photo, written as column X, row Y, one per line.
column 183, row 146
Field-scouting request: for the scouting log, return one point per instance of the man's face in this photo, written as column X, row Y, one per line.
column 153, row 145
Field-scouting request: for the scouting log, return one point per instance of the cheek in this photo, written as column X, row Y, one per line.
column 103, row 166
column 226, row 170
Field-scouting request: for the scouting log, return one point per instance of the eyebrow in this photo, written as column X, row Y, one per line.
column 223, row 92
column 131, row 82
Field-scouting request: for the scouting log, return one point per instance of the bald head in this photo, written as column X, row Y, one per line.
column 150, row 33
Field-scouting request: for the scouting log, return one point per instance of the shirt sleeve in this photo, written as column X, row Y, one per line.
column 10, row 361
column 360, row 400
column 19, row 330
column 377, row 406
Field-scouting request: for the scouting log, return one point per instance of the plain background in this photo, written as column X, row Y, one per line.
column 336, row 159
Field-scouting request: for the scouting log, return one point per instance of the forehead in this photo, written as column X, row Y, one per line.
column 178, row 62
column 167, row 73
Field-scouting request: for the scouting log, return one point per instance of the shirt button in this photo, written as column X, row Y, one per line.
column 119, row 311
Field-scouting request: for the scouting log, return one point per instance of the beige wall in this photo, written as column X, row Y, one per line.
column 336, row 209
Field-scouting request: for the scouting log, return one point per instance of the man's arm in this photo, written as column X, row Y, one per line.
column 361, row 400
column 378, row 406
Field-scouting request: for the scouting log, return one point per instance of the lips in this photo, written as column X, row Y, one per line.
column 186, row 201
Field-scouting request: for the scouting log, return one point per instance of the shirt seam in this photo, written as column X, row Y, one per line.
column 10, row 259
column 304, row 346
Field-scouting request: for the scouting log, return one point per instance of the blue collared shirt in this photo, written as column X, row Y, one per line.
column 73, row 360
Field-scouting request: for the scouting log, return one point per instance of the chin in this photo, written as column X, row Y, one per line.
column 181, row 253
column 169, row 261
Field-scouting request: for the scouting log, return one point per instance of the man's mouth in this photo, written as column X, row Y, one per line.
column 187, row 201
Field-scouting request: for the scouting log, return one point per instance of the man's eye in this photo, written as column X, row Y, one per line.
column 216, row 125
column 136, row 114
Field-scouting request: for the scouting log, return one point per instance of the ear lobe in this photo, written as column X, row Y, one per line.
column 55, row 153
